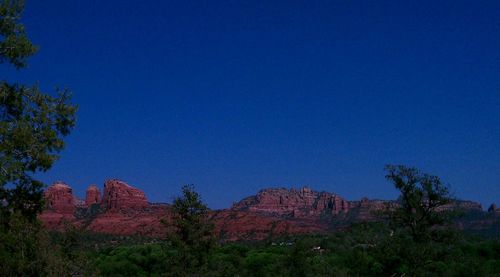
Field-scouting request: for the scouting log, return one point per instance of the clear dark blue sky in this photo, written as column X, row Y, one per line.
column 235, row 96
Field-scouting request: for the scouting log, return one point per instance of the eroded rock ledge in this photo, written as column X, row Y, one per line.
column 124, row 210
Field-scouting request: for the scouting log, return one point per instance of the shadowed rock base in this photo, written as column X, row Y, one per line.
column 124, row 210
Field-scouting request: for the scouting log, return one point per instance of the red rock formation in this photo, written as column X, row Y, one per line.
column 55, row 221
column 233, row 225
column 272, row 212
column 59, row 198
column 132, row 221
column 119, row 195
column 302, row 203
column 462, row 205
column 93, row 196
column 60, row 205
column 368, row 209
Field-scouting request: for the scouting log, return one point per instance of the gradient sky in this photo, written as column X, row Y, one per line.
column 235, row 96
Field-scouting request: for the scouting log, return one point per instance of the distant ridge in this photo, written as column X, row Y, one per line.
column 124, row 210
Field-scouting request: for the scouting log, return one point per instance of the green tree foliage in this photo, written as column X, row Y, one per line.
column 143, row 260
column 32, row 123
column 227, row 260
column 68, row 248
column 15, row 46
column 32, row 127
column 365, row 249
column 26, row 250
column 421, row 197
column 19, row 247
column 421, row 237
column 193, row 236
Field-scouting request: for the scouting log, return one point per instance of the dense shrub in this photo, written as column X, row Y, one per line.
column 362, row 250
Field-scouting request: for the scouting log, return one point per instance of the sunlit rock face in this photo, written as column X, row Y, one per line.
column 124, row 210
column 464, row 205
column 295, row 203
column 233, row 225
column 60, row 206
column 93, row 195
column 59, row 198
column 119, row 195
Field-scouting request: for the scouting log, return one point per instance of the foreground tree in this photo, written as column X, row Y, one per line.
column 32, row 127
column 422, row 197
column 193, row 236
column 421, row 236
column 32, row 124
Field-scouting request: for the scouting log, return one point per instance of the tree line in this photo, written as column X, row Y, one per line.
column 415, row 239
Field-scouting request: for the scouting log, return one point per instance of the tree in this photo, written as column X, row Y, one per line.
column 32, row 123
column 32, row 127
column 193, row 235
column 422, row 197
column 15, row 47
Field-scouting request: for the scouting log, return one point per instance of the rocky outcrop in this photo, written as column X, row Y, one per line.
column 368, row 209
column 462, row 205
column 60, row 206
column 294, row 203
column 124, row 210
column 147, row 221
column 493, row 209
column 59, row 198
column 233, row 225
column 119, row 195
column 93, row 196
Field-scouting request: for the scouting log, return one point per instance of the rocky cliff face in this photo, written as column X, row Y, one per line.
column 367, row 209
column 119, row 195
column 124, row 210
column 93, row 196
column 60, row 206
column 463, row 205
column 59, row 197
column 232, row 225
column 294, row 203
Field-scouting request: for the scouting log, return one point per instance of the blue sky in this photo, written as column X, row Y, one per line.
column 235, row 96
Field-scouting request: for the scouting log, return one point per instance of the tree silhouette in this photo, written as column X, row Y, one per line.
column 193, row 237
column 32, row 123
column 422, row 197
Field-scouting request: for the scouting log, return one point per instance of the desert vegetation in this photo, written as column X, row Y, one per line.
column 413, row 236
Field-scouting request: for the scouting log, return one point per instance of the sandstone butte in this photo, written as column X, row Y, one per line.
column 124, row 210
column 93, row 195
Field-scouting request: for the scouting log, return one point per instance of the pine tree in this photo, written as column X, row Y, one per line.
column 32, row 127
column 193, row 236
column 32, row 123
